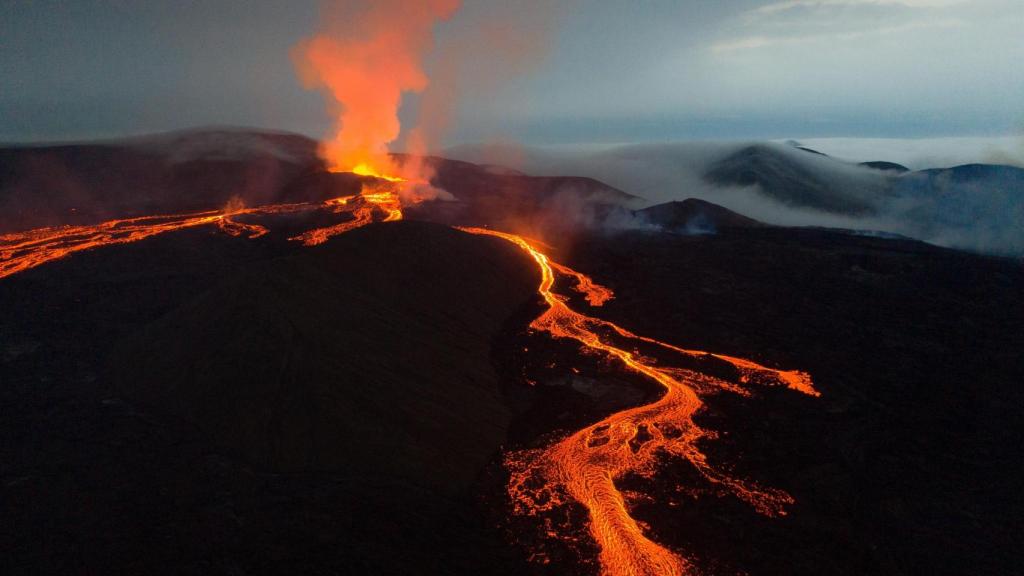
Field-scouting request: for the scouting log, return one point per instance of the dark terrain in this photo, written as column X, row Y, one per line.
column 196, row 403
column 908, row 463
column 199, row 404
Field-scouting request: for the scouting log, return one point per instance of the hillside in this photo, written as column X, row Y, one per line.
column 265, row 407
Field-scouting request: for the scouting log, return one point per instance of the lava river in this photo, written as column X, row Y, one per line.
column 585, row 465
column 20, row 251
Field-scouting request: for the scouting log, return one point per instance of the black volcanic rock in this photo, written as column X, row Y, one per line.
column 979, row 173
column 783, row 178
column 909, row 461
column 341, row 357
column 197, row 404
column 695, row 216
column 885, row 166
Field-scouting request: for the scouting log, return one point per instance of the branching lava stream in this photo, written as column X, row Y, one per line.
column 585, row 465
column 20, row 251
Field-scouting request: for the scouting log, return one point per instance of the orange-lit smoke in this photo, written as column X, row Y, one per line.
column 365, row 56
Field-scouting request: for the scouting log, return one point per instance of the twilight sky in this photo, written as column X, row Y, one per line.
column 609, row 70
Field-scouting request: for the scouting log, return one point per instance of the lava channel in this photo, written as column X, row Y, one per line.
column 20, row 251
column 586, row 464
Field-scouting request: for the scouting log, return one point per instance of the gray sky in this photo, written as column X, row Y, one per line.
column 628, row 70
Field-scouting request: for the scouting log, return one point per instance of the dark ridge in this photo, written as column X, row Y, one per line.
column 695, row 215
column 798, row 146
column 977, row 172
column 885, row 166
column 812, row 151
column 84, row 183
column 784, row 179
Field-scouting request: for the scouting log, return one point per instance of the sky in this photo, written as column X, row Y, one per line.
column 605, row 71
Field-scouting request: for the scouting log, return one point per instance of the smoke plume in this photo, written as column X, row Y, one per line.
column 365, row 56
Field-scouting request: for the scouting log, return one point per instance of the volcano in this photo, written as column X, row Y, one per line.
column 534, row 375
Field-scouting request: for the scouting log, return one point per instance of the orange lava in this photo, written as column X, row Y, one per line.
column 234, row 228
column 586, row 464
column 23, row 250
column 382, row 201
column 20, row 251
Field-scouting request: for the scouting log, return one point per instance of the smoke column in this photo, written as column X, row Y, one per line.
column 365, row 56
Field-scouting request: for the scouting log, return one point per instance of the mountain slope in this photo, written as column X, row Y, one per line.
column 197, row 403
column 794, row 181
column 695, row 216
column 49, row 185
column 975, row 206
column 340, row 357
column 885, row 166
column 508, row 200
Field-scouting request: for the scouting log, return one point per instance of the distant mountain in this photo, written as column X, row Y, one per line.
column 783, row 184
column 184, row 171
column 978, row 173
column 695, row 216
column 885, row 166
column 977, row 206
column 794, row 180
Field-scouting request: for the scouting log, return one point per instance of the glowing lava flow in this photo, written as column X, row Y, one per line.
column 586, row 464
column 20, row 251
column 23, row 250
column 382, row 199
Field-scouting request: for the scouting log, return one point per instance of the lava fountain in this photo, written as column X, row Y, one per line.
column 365, row 57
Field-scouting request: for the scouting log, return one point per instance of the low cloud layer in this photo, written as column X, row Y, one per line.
column 983, row 213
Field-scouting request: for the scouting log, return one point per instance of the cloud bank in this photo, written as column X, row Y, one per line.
column 979, row 210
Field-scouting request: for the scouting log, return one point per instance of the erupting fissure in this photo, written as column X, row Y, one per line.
column 585, row 465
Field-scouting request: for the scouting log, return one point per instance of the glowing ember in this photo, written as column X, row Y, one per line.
column 585, row 465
